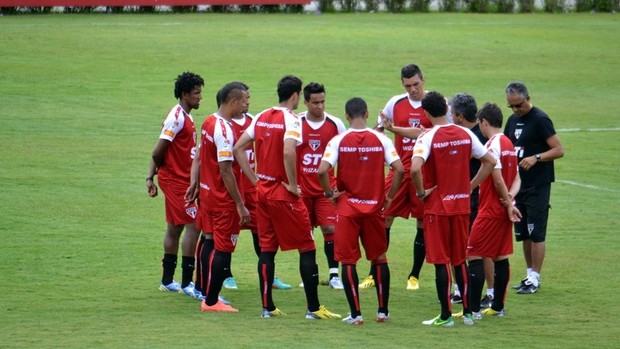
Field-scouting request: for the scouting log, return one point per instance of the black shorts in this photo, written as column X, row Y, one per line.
column 534, row 205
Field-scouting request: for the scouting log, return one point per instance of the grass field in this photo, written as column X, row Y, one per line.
column 81, row 103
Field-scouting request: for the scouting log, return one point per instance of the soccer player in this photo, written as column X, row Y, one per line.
column 360, row 199
column 282, row 217
column 537, row 144
column 443, row 154
column 491, row 234
column 219, row 190
column 172, row 163
column 239, row 123
column 318, row 128
column 463, row 107
column 406, row 119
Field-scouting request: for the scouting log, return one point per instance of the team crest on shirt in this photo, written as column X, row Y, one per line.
column 518, row 133
column 191, row 211
column 233, row 239
column 314, row 144
column 414, row 122
column 530, row 228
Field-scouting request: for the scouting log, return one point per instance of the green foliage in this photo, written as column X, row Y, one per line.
column 605, row 5
column 526, row 6
column 448, row 5
column 420, row 5
column 347, row 5
column 82, row 99
column 554, row 6
column 395, row 6
column 584, row 5
column 505, row 6
column 479, row 6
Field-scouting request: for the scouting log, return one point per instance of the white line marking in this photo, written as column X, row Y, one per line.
column 588, row 129
column 590, row 186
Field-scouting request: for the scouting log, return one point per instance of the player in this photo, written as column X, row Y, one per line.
column 403, row 115
column 172, row 162
column 537, row 144
column 491, row 234
column 282, row 217
column 318, row 128
column 360, row 199
column 443, row 154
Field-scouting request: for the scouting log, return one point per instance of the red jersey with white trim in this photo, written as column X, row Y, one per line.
column 238, row 126
column 404, row 112
column 360, row 156
column 179, row 129
column 315, row 137
column 216, row 145
column 502, row 150
column 446, row 150
column 269, row 129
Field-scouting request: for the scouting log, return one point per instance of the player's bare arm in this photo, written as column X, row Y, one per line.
column 230, row 182
column 487, row 163
column 242, row 159
column 409, row 132
column 500, row 187
column 194, row 181
column 330, row 193
column 290, row 166
column 399, row 173
column 151, row 188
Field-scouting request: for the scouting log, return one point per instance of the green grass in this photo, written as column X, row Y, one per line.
column 81, row 102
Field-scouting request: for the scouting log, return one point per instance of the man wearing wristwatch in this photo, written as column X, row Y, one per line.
column 537, row 145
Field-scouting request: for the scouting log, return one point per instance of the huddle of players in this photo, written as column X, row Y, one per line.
column 293, row 157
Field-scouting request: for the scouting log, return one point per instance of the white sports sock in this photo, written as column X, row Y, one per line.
column 490, row 292
column 333, row 270
column 456, row 290
column 529, row 271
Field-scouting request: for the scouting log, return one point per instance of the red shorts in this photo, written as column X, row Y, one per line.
column 405, row 203
column 490, row 238
column 283, row 224
column 321, row 211
column 445, row 238
column 225, row 229
column 250, row 204
column 203, row 224
column 370, row 230
column 176, row 212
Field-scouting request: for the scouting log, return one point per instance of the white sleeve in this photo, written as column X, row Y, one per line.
column 477, row 149
column 388, row 110
column 224, row 140
column 172, row 125
column 251, row 130
column 422, row 147
column 389, row 151
column 292, row 126
column 331, row 151
column 494, row 147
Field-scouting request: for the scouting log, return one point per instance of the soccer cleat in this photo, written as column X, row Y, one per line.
column 492, row 312
column 190, row 290
column 223, row 300
column 456, row 299
column 458, row 315
column 468, row 320
column 476, row 315
column 322, row 313
column 368, row 282
column 528, row 288
column 279, row 285
column 336, row 283
column 171, row 287
column 301, row 284
column 269, row 314
column 230, row 284
column 198, row 295
column 218, row 307
column 413, row 283
column 521, row 284
column 382, row 317
column 486, row 302
column 437, row 321
column 358, row 320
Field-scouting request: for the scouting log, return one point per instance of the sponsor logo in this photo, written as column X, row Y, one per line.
column 453, row 197
column 269, row 125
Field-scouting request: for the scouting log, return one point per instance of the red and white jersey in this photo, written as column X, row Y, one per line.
column 502, row 150
column 238, row 126
column 404, row 112
column 269, row 129
column 446, row 150
column 360, row 156
column 179, row 129
column 216, row 145
column 315, row 137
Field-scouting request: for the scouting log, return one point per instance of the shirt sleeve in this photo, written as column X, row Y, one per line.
column 331, row 151
column 223, row 139
column 293, row 127
column 494, row 147
column 389, row 151
column 477, row 149
column 172, row 126
column 388, row 110
column 422, row 147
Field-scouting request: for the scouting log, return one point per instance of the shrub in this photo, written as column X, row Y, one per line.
column 347, row 5
column 395, row 6
column 420, row 5
column 326, row 6
column 526, row 6
column 505, row 6
column 584, row 5
column 448, row 6
column 605, row 5
column 479, row 6
column 553, row 5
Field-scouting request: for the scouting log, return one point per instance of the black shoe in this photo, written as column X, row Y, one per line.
column 486, row 302
column 528, row 288
column 521, row 284
column 456, row 299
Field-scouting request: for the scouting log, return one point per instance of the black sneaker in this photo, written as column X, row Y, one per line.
column 486, row 302
column 528, row 288
column 521, row 284
column 456, row 299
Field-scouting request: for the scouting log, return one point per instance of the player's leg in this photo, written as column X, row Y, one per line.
column 346, row 250
column 169, row 261
column 502, row 277
column 489, row 273
column 188, row 248
column 419, row 254
column 476, row 282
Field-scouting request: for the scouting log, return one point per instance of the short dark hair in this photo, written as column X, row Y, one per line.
column 230, row 91
column 311, row 88
column 218, row 95
column 287, row 86
column 517, row 87
column 492, row 113
column 435, row 104
column 464, row 104
column 186, row 82
column 356, row 107
column 410, row 71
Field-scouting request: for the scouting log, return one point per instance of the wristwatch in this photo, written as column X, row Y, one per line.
column 537, row 157
column 329, row 195
column 421, row 195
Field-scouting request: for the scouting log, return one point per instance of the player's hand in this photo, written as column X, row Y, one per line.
column 528, row 162
column 386, row 203
column 293, row 189
column 514, row 214
column 335, row 196
column 151, row 188
column 191, row 194
column 244, row 214
column 427, row 192
column 387, row 123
